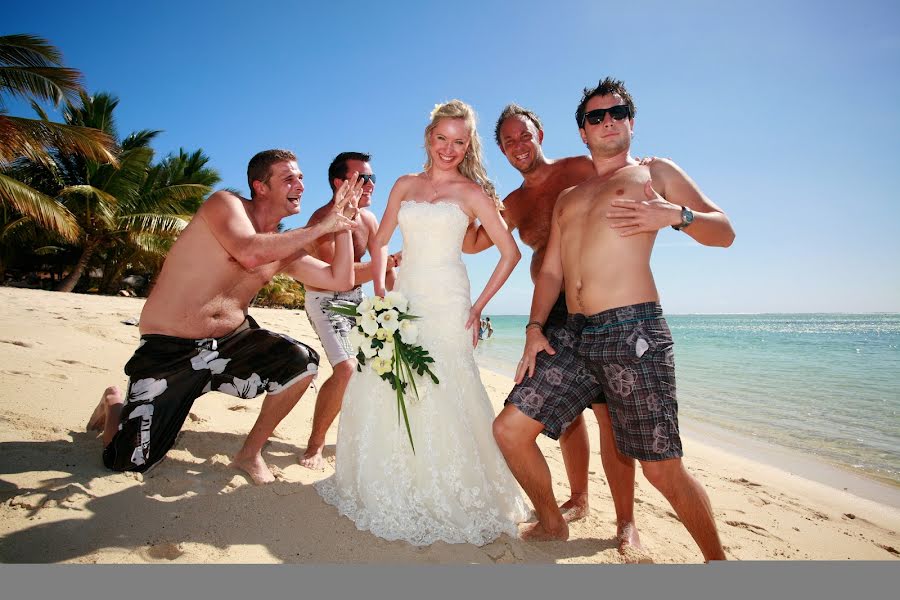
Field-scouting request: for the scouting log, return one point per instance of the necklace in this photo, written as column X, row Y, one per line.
column 434, row 192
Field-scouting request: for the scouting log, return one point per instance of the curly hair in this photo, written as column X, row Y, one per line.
column 606, row 87
column 472, row 166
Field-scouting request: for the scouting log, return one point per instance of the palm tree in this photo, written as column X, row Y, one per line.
column 149, row 229
column 125, row 210
column 31, row 69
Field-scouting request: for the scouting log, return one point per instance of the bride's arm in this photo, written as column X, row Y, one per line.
column 486, row 212
column 378, row 250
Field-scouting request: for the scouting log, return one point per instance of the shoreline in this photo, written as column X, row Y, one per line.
column 788, row 460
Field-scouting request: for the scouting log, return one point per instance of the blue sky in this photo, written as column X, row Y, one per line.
column 785, row 113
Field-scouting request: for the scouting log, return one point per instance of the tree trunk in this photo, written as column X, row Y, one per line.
column 68, row 284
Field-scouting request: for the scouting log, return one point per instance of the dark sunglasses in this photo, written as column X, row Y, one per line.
column 596, row 116
column 366, row 178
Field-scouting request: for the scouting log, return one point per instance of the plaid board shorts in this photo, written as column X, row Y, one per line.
column 333, row 329
column 630, row 352
column 562, row 386
column 166, row 374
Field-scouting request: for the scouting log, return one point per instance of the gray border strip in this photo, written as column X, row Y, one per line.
column 731, row 581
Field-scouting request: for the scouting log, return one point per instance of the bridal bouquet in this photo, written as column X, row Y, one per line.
column 385, row 334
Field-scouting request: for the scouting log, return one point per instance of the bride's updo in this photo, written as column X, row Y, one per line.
column 472, row 166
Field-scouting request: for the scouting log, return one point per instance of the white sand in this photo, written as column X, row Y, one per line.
column 58, row 504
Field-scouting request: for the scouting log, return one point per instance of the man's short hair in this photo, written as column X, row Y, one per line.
column 260, row 166
column 606, row 87
column 338, row 167
column 513, row 110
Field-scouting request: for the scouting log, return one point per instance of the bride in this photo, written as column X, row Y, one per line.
column 456, row 487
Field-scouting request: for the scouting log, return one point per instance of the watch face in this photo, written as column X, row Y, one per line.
column 687, row 216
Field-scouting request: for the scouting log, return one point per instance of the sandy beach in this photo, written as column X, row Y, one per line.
column 58, row 504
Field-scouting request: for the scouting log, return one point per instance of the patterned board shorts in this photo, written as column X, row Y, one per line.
column 333, row 329
column 166, row 374
column 562, row 386
column 630, row 351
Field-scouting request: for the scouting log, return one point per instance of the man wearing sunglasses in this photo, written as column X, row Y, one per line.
column 333, row 329
column 599, row 246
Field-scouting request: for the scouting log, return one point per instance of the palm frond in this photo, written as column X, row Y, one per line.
column 33, row 139
column 28, row 50
column 154, row 223
column 38, row 109
column 53, row 84
column 140, row 139
column 96, row 204
column 34, row 69
column 46, row 211
column 126, row 180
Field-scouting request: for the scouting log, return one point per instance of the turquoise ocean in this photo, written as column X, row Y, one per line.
column 827, row 385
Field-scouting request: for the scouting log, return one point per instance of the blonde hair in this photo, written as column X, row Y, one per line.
column 472, row 166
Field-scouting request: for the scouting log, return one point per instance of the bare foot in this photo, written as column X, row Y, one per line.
column 112, row 395
column 575, row 508
column 312, row 458
column 255, row 467
column 537, row 533
column 630, row 544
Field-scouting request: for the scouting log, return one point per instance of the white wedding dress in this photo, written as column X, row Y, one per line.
column 456, row 487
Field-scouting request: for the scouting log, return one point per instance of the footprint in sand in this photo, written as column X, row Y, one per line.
column 890, row 549
column 197, row 418
column 164, row 551
column 239, row 408
column 18, row 343
column 757, row 529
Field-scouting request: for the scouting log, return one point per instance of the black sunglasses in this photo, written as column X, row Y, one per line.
column 366, row 178
column 596, row 116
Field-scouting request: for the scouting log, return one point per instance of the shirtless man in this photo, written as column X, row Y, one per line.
column 529, row 208
column 333, row 329
column 196, row 335
column 601, row 237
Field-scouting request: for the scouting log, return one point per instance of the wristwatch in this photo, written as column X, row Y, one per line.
column 687, row 217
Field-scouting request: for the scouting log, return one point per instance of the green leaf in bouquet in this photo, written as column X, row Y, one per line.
column 343, row 307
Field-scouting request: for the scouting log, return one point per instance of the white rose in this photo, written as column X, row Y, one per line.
column 398, row 301
column 409, row 332
column 389, row 320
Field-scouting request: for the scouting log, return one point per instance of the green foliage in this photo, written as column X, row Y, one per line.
column 282, row 292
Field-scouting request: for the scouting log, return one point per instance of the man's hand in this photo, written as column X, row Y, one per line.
column 632, row 217
column 535, row 342
column 346, row 198
column 395, row 258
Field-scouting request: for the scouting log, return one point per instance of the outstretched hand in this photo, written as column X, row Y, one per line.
column 346, row 198
column 632, row 217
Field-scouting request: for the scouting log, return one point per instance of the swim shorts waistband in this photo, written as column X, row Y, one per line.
column 616, row 316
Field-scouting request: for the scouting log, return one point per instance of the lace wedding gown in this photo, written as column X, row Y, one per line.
column 456, row 487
